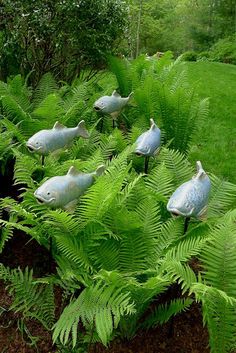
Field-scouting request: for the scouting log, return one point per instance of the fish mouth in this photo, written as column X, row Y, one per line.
column 31, row 148
column 97, row 109
column 41, row 200
column 139, row 153
column 176, row 213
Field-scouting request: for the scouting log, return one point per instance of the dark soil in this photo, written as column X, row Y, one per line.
column 184, row 334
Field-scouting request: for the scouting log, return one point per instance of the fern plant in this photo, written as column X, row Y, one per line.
column 218, row 258
column 161, row 91
column 120, row 240
column 120, row 249
column 33, row 299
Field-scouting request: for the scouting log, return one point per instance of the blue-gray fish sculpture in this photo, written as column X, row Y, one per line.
column 46, row 141
column 111, row 104
column 148, row 144
column 190, row 199
column 63, row 191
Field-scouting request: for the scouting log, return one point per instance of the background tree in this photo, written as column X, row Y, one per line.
column 58, row 36
column 179, row 25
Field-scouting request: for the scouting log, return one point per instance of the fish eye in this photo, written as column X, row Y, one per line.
column 48, row 193
column 37, row 143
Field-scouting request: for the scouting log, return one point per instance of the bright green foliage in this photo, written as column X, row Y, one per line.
column 33, row 299
column 161, row 94
column 97, row 304
column 112, row 238
column 218, row 258
column 179, row 25
column 119, row 249
column 164, row 312
column 224, row 50
column 214, row 144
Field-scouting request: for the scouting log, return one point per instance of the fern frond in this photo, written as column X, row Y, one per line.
column 73, row 250
column 218, row 293
column 34, row 300
column 190, row 245
column 96, row 202
column 170, row 232
column 222, row 198
column 160, row 181
column 62, row 222
column 46, row 86
column 24, row 167
column 13, row 110
column 13, row 130
column 97, row 304
column 181, row 273
column 177, row 165
column 18, row 89
column 164, row 312
column 6, row 232
column 218, row 315
column 120, row 68
column 49, row 110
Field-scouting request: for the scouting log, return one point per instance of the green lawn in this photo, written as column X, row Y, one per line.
column 216, row 142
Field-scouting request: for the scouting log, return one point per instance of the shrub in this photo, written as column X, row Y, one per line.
column 189, row 56
column 224, row 50
column 58, row 36
column 203, row 56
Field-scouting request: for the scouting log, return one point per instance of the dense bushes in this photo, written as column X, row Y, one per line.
column 224, row 51
column 189, row 56
column 58, row 36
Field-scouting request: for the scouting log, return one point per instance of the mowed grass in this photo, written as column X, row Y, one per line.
column 215, row 144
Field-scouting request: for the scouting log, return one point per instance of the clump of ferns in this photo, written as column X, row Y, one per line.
column 121, row 249
column 161, row 91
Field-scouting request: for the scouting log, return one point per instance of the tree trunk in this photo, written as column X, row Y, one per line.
column 138, row 27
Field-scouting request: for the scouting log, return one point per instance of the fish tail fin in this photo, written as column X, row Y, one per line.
column 200, row 170
column 152, row 124
column 82, row 131
column 199, row 166
column 130, row 95
column 100, row 170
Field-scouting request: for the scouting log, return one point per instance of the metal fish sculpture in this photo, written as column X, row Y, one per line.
column 148, row 144
column 190, row 199
column 63, row 191
column 111, row 104
column 46, row 141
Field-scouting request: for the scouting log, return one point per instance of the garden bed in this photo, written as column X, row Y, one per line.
column 186, row 335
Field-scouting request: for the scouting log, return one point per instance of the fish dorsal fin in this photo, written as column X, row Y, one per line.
column 73, row 171
column 58, row 125
column 152, row 123
column 200, row 171
column 100, row 170
column 116, row 94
